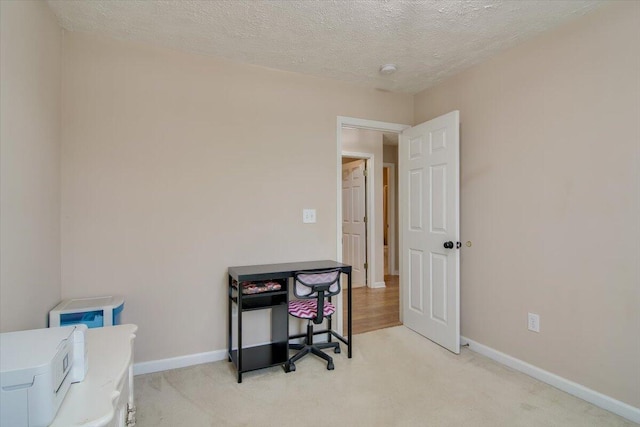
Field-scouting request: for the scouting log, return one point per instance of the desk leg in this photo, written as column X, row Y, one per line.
column 349, row 313
column 230, row 319
column 239, row 333
column 329, row 327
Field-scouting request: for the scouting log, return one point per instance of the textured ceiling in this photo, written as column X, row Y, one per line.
column 345, row 40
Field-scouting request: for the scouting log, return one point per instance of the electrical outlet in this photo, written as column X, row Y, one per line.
column 533, row 323
column 308, row 216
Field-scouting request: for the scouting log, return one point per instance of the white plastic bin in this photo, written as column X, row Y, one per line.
column 93, row 312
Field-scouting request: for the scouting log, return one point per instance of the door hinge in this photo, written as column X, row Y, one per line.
column 365, row 219
column 364, row 172
column 366, row 265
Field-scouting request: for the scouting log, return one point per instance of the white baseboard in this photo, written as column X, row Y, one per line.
column 378, row 285
column 178, row 362
column 603, row 401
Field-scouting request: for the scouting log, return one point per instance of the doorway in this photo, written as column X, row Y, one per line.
column 429, row 189
column 376, row 303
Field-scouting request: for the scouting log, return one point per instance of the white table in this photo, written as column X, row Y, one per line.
column 105, row 397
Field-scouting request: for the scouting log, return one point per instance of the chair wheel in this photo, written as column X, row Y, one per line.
column 336, row 350
column 289, row 367
column 330, row 366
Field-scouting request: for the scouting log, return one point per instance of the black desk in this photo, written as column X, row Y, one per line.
column 277, row 351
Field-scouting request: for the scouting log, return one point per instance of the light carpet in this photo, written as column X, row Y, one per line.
column 395, row 378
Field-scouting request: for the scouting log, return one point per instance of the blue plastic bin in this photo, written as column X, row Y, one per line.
column 93, row 312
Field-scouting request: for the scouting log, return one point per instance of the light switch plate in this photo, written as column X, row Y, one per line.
column 533, row 322
column 308, row 216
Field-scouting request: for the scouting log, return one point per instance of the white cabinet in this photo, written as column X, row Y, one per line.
column 105, row 397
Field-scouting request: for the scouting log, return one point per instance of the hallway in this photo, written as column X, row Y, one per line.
column 375, row 308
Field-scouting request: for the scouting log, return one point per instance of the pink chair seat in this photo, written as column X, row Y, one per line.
column 307, row 308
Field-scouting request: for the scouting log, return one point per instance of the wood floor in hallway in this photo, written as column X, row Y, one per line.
column 375, row 308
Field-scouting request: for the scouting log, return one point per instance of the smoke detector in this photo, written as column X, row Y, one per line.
column 388, row 69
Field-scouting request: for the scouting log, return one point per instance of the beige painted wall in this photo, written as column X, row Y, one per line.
column 176, row 166
column 370, row 142
column 550, row 197
column 390, row 154
column 30, row 164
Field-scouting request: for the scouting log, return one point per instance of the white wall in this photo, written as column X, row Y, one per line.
column 550, row 198
column 30, row 164
column 176, row 166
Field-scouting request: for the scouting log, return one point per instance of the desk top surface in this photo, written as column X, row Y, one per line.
column 267, row 271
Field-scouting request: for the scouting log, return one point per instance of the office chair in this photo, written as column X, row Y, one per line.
column 314, row 290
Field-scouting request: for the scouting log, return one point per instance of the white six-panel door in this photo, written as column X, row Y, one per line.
column 354, row 244
column 429, row 211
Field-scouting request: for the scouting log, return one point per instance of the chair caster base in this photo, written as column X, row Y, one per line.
column 289, row 367
column 336, row 350
column 330, row 366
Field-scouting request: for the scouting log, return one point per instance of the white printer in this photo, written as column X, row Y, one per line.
column 36, row 369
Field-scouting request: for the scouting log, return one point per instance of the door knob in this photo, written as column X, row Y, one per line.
column 449, row 245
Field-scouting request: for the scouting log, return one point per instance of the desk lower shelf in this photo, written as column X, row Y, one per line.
column 261, row 356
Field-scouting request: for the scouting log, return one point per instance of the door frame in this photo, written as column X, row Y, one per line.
column 392, row 200
column 352, row 122
column 369, row 211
